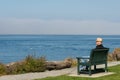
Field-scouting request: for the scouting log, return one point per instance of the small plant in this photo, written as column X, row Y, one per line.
column 2, row 69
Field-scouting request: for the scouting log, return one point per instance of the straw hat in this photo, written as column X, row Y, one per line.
column 99, row 39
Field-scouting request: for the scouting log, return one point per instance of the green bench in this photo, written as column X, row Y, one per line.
column 97, row 56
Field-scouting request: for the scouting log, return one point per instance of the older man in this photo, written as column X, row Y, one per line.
column 99, row 44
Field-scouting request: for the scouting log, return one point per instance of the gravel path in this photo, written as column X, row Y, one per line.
column 31, row 76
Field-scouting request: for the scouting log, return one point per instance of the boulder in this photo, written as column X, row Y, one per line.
column 67, row 63
column 62, row 65
column 50, row 65
column 116, row 54
column 56, row 65
column 110, row 57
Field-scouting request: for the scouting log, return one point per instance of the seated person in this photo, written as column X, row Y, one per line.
column 99, row 45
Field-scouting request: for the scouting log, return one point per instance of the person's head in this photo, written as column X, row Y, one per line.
column 98, row 41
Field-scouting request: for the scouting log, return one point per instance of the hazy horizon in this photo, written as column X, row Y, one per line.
column 64, row 17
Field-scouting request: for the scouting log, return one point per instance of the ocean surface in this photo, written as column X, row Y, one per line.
column 53, row 47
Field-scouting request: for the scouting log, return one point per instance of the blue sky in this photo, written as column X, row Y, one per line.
column 60, row 17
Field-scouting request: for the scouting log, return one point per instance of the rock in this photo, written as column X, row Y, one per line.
column 116, row 54
column 110, row 57
column 50, row 65
column 67, row 63
column 62, row 65
column 56, row 65
column 50, row 68
column 118, row 57
column 10, row 64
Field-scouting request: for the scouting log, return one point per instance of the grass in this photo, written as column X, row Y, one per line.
column 115, row 76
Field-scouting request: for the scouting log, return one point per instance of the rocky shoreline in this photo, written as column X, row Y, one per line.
column 53, row 65
column 69, row 62
column 115, row 55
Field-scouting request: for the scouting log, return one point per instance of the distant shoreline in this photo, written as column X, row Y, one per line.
column 60, row 34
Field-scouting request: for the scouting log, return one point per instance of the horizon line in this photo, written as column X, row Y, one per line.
column 62, row 34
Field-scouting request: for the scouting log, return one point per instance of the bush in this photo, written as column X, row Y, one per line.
column 29, row 64
column 32, row 64
column 2, row 69
column 15, row 68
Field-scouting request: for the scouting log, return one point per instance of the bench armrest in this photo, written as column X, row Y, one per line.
column 84, row 57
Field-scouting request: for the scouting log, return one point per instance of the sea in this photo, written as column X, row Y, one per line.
column 15, row 48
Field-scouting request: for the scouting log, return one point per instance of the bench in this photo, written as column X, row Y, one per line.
column 97, row 56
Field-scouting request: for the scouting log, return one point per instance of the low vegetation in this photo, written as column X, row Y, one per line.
column 2, row 69
column 29, row 64
column 33, row 64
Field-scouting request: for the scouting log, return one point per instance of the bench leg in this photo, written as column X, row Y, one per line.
column 94, row 67
column 78, row 66
column 105, row 67
column 89, row 70
column 78, row 71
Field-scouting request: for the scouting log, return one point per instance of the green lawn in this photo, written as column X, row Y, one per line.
column 115, row 76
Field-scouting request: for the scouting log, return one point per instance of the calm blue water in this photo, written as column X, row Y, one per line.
column 53, row 47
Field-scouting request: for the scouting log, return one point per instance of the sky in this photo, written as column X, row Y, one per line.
column 91, row 17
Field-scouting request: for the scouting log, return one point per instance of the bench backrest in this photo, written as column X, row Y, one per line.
column 98, row 56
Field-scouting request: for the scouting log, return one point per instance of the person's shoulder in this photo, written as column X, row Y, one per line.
column 106, row 48
column 101, row 48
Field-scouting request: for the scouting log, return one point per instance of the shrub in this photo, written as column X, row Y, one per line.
column 2, row 69
column 15, row 68
column 30, row 64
